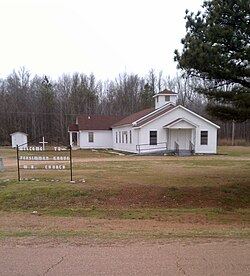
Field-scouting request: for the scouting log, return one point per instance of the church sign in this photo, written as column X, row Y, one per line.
column 39, row 158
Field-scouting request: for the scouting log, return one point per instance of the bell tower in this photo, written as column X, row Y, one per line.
column 164, row 97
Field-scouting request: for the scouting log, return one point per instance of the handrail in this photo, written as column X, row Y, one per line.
column 191, row 147
column 139, row 147
column 176, row 148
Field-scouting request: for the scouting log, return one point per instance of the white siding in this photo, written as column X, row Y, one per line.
column 181, row 113
column 156, row 125
column 140, row 136
column 127, row 138
column 123, row 144
column 102, row 139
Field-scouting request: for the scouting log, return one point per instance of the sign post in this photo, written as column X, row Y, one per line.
column 1, row 165
column 71, row 169
column 18, row 163
column 43, row 159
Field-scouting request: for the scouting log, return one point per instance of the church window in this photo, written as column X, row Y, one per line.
column 204, row 137
column 91, row 137
column 153, row 137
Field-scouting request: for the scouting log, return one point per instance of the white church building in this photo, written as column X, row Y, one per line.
column 168, row 128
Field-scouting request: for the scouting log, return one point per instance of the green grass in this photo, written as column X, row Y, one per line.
column 176, row 179
column 236, row 151
column 206, row 215
column 27, row 195
column 243, row 233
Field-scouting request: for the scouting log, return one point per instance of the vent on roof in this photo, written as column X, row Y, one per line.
column 88, row 117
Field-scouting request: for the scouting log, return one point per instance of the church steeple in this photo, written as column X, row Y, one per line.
column 164, row 97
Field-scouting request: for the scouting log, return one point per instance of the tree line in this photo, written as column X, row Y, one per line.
column 41, row 106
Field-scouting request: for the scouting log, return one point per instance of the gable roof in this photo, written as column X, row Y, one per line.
column 133, row 117
column 140, row 118
column 147, row 115
column 137, row 120
column 96, row 122
column 197, row 115
column 154, row 115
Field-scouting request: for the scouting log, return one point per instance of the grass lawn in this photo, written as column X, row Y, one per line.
column 208, row 188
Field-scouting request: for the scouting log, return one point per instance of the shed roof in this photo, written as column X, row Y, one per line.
column 20, row 132
column 73, row 127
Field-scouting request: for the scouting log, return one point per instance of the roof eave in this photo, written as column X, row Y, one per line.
column 199, row 116
column 155, row 118
column 152, row 113
column 124, row 125
column 165, row 94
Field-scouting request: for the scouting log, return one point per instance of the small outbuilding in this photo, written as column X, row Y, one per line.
column 19, row 138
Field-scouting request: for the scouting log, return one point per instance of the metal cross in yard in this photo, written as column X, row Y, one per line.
column 43, row 143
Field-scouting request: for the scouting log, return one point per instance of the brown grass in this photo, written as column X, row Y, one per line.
column 237, row 142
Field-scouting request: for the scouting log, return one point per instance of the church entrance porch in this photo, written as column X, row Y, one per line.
column 182, row 137
column 181, row 141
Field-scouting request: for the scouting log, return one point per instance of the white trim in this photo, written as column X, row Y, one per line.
column 179, row 120
column 180, row 106
column 152, row 113
column 206, row 120
column 120, row 126
column 200, row 144
column 155, row 118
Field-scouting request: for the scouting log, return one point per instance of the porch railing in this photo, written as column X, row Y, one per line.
column 149, row 147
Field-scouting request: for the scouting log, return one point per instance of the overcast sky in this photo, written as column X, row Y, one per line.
column 106, row 37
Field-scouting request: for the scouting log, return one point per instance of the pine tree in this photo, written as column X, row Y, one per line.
column 216, row 48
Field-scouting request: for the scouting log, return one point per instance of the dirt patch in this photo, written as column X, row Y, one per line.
column 141, row 196
column 172, row 222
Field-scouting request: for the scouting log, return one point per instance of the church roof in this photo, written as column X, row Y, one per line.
column 155, row 115
column 142, row 117
column 96, row 122
column 101, row 122
column 73, row 127
column 133, row 117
